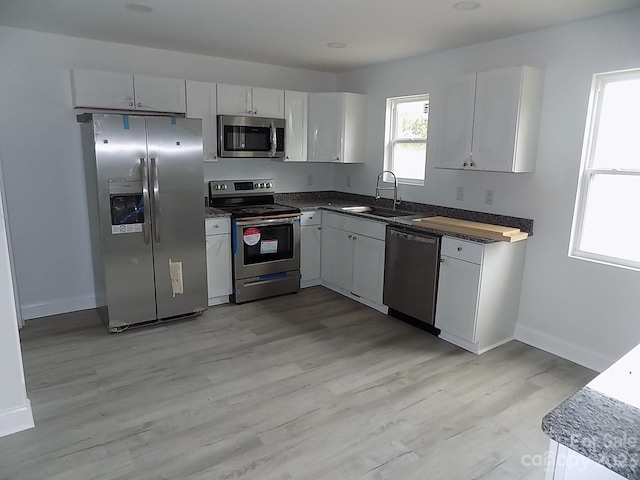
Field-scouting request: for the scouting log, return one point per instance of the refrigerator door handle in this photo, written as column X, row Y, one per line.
column 156, row 200
column 146, row 201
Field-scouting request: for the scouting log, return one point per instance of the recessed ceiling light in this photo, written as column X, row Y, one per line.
column 336, row 45
column 137, row 7
column 466, row 5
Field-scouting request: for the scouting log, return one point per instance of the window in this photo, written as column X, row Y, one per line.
column 406, row 138
column 606, row 223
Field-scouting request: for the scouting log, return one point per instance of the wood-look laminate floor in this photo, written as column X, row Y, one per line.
column 310, row 386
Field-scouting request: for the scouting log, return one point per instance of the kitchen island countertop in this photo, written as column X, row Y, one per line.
column 602, row 420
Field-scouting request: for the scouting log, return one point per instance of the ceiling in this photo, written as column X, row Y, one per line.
column 295, row 33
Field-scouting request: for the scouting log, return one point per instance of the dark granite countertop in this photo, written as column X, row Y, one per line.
column 602, row 420
column 333, row 201
column 211, row 212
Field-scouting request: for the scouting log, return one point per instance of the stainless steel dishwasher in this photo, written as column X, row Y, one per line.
column 411, row 275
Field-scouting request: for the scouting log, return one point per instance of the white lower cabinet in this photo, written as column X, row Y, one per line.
column 566, row 464
column 352, row 260
column 479, row 292
column 218, row 241
column 310, row 241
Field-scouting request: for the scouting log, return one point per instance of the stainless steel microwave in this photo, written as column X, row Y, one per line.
column 250, row 137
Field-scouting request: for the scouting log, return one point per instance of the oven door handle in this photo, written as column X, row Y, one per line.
column 264, row 221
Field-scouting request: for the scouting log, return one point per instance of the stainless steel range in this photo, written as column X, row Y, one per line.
column 265, row 238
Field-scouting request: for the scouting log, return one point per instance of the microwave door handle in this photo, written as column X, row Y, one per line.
column 156, row 200
column 274, row 141
column 146, row 201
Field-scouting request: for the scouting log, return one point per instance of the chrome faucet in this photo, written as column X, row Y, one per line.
column 395, row 187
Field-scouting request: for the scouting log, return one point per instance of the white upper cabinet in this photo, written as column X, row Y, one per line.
column 201, row 103
column 488, row 121
column 250, row 101
column 268, row 102
column 95, row 89
column 452, row 109
column 159, row 94
column 295, row 111
column 336, row 127
column 123, row 91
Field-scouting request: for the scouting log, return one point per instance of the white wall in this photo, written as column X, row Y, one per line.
column 42, row 155
column 583, row 311
column 15, row 408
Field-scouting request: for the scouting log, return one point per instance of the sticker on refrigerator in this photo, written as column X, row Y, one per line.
column 131, row 228
column 177, row 281
column 268, row 246
column 251, row 236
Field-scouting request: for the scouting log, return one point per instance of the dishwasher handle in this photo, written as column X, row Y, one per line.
column 413, row 238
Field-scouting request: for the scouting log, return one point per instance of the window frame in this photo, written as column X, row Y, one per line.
column 588, row 172
column 390, row 140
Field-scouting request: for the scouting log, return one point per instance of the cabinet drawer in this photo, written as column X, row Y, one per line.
column 462, row 250
column 347, row 223
column 310, row 218
column 217, row 225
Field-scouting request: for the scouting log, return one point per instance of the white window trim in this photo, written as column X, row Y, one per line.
column 390, row 121
column 587, row 172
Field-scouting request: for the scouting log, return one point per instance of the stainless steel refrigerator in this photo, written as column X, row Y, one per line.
column 146, row 212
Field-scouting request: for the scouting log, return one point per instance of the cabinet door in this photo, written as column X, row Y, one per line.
column 159, row 94
column 296, row 107
column 457, row 303
column 201, row 103
column 354, row 126
column 337, row 257
column 218, row 265
column 325, row 125
column 496, row 119
column 234, row 100
column 453, row 107
column 268, row 102
column 368, row 268
column 97, row 89
column 310, row 241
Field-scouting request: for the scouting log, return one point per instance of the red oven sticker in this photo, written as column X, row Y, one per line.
column 251, row 236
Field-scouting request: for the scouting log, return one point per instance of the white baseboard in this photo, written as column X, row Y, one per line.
column 309, row 283
column 472, row 347
column 564, row 349
column 218, row 300
column 65, row 305
column 381, row 308
column 16, row 420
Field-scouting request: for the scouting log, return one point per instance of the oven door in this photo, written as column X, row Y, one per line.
column 265, row 246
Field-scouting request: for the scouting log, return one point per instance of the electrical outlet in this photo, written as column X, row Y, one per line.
column 460, row 193
column 488, row 197
column 348, row 180
column 309, row 180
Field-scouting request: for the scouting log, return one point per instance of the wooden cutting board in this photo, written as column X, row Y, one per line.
column 476, row 229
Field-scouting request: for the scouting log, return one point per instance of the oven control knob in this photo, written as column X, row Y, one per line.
column 224, row 186
column 269, row 185
column 217, row 187
column 256, row 185
column 262, row 185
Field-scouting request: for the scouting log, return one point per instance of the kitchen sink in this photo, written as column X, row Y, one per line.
column 376, row 211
